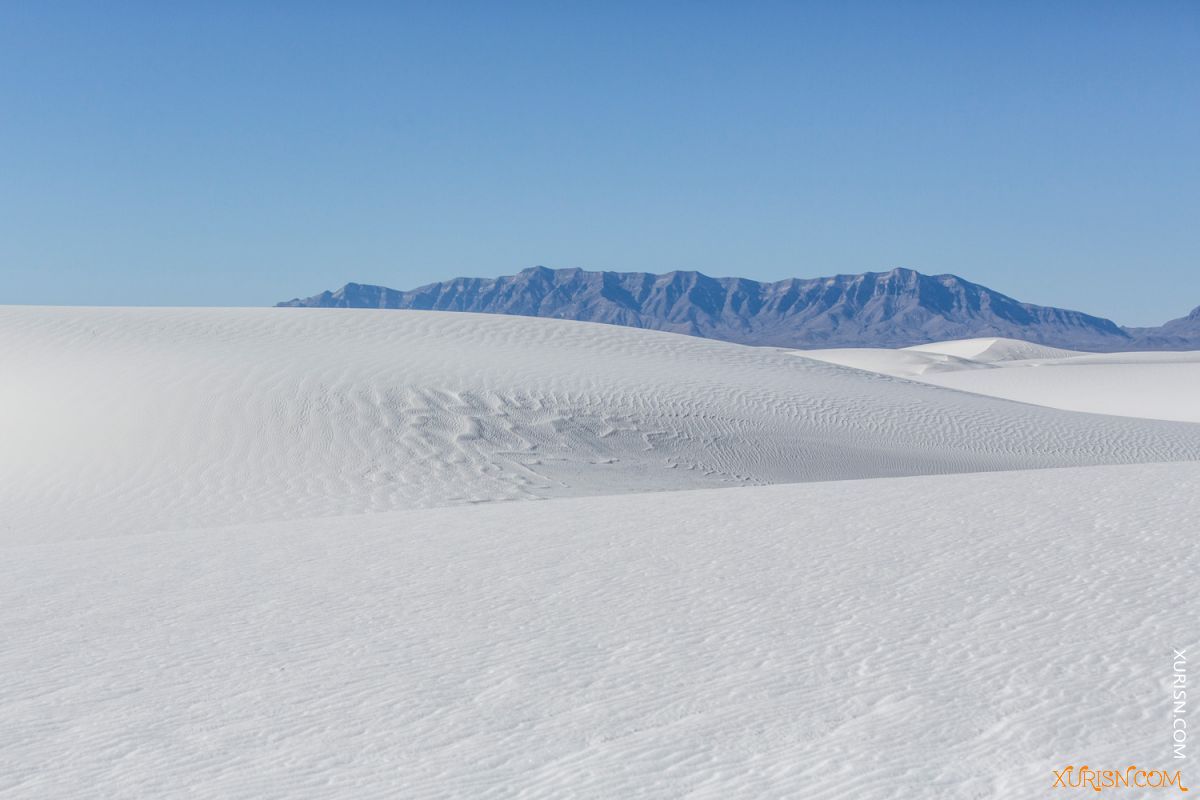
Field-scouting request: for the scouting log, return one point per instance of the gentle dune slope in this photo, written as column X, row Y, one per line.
column 930, row 359
column 954, row 636
column 990, row 351
column 1149, row 385
column 126, row 420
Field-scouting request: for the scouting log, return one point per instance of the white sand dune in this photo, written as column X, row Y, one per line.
column 1155, row 385
column 119, row 421
column 993, row 350
column 954, row 636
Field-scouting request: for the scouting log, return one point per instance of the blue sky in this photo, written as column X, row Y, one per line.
column 240, row 154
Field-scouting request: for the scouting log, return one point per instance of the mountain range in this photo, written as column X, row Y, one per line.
column 898, row 308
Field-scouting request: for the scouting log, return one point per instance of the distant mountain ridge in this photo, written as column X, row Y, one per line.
column 898, row 308
column 1178, row 334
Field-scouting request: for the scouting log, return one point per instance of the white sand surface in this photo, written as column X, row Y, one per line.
column 954, row 636
column 1152, row 385
column 118, row 421
column 255, row 553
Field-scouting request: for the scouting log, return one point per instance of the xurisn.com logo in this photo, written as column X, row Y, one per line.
column 1132, row 777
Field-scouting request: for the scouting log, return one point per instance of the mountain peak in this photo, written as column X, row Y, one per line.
column 900, row 272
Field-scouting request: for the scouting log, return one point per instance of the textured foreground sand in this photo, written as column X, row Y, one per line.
column 949, row 636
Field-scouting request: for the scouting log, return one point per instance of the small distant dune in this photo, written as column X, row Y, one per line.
column 1149, row 385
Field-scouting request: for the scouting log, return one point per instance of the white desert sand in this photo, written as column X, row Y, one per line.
column 941, row 636
column 954, row 636
column 1156, row 385
column 119, row 421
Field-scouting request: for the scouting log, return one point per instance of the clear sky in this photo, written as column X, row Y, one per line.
column 244, row 153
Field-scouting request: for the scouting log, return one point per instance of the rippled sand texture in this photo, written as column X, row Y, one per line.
column 120, row 421
column 956, row 636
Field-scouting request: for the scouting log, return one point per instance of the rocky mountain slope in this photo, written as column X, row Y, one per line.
column 875, row 309
column 1178, row 334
